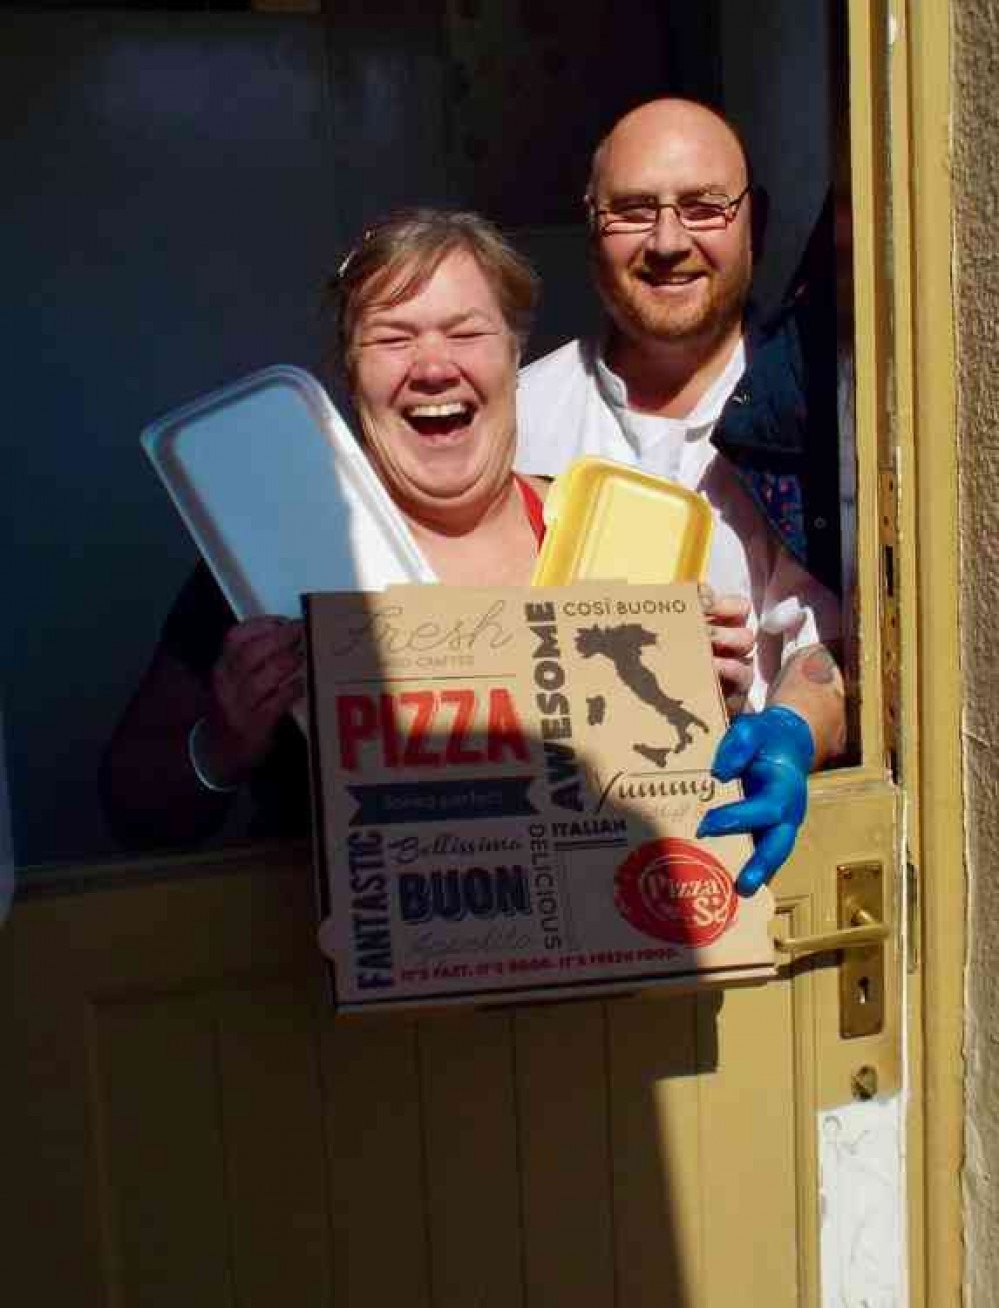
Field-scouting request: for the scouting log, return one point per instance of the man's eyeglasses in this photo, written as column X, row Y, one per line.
column 708, row 211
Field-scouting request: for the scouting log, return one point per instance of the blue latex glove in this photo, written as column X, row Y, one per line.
column 772, row 752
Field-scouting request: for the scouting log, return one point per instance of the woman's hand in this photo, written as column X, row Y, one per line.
column 732, row 644
column 257, row 678
column 184, row 744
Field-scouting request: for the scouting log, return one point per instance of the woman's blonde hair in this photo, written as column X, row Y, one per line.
column 398, row 256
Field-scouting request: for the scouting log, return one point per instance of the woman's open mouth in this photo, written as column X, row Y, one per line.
column 440, row 419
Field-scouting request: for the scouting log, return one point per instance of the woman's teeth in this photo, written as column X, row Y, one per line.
column 439, row 419
column 437, row 410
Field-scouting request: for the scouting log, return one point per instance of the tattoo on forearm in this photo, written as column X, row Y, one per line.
column 811, row 682
column 817, row 664
column 819, row 667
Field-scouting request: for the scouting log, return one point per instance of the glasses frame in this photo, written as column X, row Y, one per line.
column 726, row 212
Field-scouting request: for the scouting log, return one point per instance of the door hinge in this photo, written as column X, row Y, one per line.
column 891, row 664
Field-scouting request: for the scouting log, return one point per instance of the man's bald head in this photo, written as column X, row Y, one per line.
column 657, row 120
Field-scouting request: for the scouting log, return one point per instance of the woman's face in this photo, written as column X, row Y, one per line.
column 434, row 381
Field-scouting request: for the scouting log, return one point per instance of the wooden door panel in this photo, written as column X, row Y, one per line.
column 563, row 1116
column 377, row 1166
column 208, row 1131
column 271, row 1112
column 749, row 1149
column 228, row 1141
column 161, row 1152
column 52, row 1199
column 473, row 1207
column 655, row 1148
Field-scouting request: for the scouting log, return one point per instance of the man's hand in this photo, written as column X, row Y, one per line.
column 802, row 727
column 732, row 645
column 257, row 678
column 772, row 752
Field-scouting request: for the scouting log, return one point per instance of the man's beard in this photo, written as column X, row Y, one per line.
column 716, row 305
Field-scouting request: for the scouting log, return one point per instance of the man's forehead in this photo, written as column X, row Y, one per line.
column 686, row 147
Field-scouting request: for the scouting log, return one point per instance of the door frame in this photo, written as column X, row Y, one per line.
column 910, row 45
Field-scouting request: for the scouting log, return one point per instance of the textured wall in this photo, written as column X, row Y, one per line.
column 976, row 193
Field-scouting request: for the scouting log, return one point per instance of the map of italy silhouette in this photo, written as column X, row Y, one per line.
column 623, row 645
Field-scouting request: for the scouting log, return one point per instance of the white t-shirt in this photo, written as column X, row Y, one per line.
column 570, row 403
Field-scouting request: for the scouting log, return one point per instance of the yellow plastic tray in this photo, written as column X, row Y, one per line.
column 609, row 522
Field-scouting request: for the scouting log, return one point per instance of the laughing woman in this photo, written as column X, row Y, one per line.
column 432, row 313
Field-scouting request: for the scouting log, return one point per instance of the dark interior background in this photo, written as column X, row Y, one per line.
column 178, row 180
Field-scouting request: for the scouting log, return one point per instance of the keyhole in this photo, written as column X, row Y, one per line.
column 864, row 990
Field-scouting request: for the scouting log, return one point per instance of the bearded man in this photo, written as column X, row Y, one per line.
column 671, row 217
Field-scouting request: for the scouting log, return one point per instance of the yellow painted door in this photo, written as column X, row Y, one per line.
column 183, row 1122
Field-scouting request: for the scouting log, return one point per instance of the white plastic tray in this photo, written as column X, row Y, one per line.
column 278, row 496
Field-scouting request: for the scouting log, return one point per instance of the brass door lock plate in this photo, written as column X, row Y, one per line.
column 860, row 893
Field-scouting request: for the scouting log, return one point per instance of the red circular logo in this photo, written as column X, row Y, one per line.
column 675, row 890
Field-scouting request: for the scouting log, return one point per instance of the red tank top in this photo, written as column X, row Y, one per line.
column 533, row 506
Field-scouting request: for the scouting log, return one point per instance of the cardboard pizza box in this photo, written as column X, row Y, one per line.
column 507, row 783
